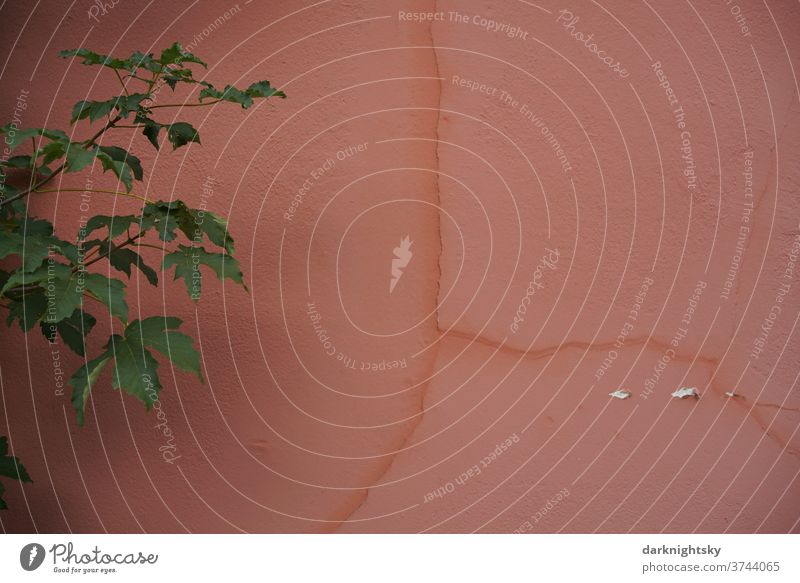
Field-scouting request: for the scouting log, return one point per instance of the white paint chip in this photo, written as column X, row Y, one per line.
column 684, row 392
column 620, row 394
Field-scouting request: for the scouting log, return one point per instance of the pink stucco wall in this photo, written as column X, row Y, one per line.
column 508, row 157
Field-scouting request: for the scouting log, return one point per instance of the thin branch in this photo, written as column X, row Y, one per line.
column 159, row 247
column 152, row 83
column 92, row 252
column 102, row 130
column 121, row 82
column 186, row 104
column 115, row 247
column 115, row 192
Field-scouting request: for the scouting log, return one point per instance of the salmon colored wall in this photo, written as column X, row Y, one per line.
column 444, row 129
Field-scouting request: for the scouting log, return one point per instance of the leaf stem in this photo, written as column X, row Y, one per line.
column 186, row 104
column 121, row 82
column 159, row 247
column 92, row 252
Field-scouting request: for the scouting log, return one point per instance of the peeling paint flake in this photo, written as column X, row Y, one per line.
column 620, row 394
column 684, row 392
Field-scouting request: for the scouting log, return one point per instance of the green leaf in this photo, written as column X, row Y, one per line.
column 193, row 223
column 32, row 248
column 64, row 290
column 139, row 60
column 44, row 171
column 55, row 135
column 244, row 98
column 235, row 95
column 135, row 370
column 122, row 259
column 230, row 93
column 187, row 269
column 33, row 242
column 122, row 171
column 187, row 262
column 181, row 133
column 109, row 291
column 32, row 226
column 52, row 151
column 127, row 104
column 166, row 217
column 18, row 162
column 120, row 155
column 27, row 310
column 57, row 279
column 264, row 89
column 83, row 380
column 72, row 330
column 151, row 131
column 94, row 110
column 170, row 55
column 178, row 75
column 215, row 228
column 165, row 226
column 174, row 55
column 92, row 58
column 15, row 136
column 68, row 250
column 124, row 165
column 116, row 224
column 209, row 91
column 78, row 157
column 10, row 211
column 160, row 334
column 10, row 467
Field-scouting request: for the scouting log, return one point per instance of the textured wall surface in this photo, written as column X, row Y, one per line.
column 586, row 214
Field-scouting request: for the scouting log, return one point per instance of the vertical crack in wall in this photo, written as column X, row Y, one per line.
column 437, row 200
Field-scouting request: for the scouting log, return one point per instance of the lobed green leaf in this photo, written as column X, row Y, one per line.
column 135, row 369
column 187, row 261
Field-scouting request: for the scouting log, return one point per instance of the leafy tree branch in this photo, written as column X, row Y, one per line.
column 49, row 280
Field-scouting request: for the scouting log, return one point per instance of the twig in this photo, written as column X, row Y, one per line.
column 121, row 82
column 115, row 247
column 159, row 247
column 128, row 194
column 186, row 104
